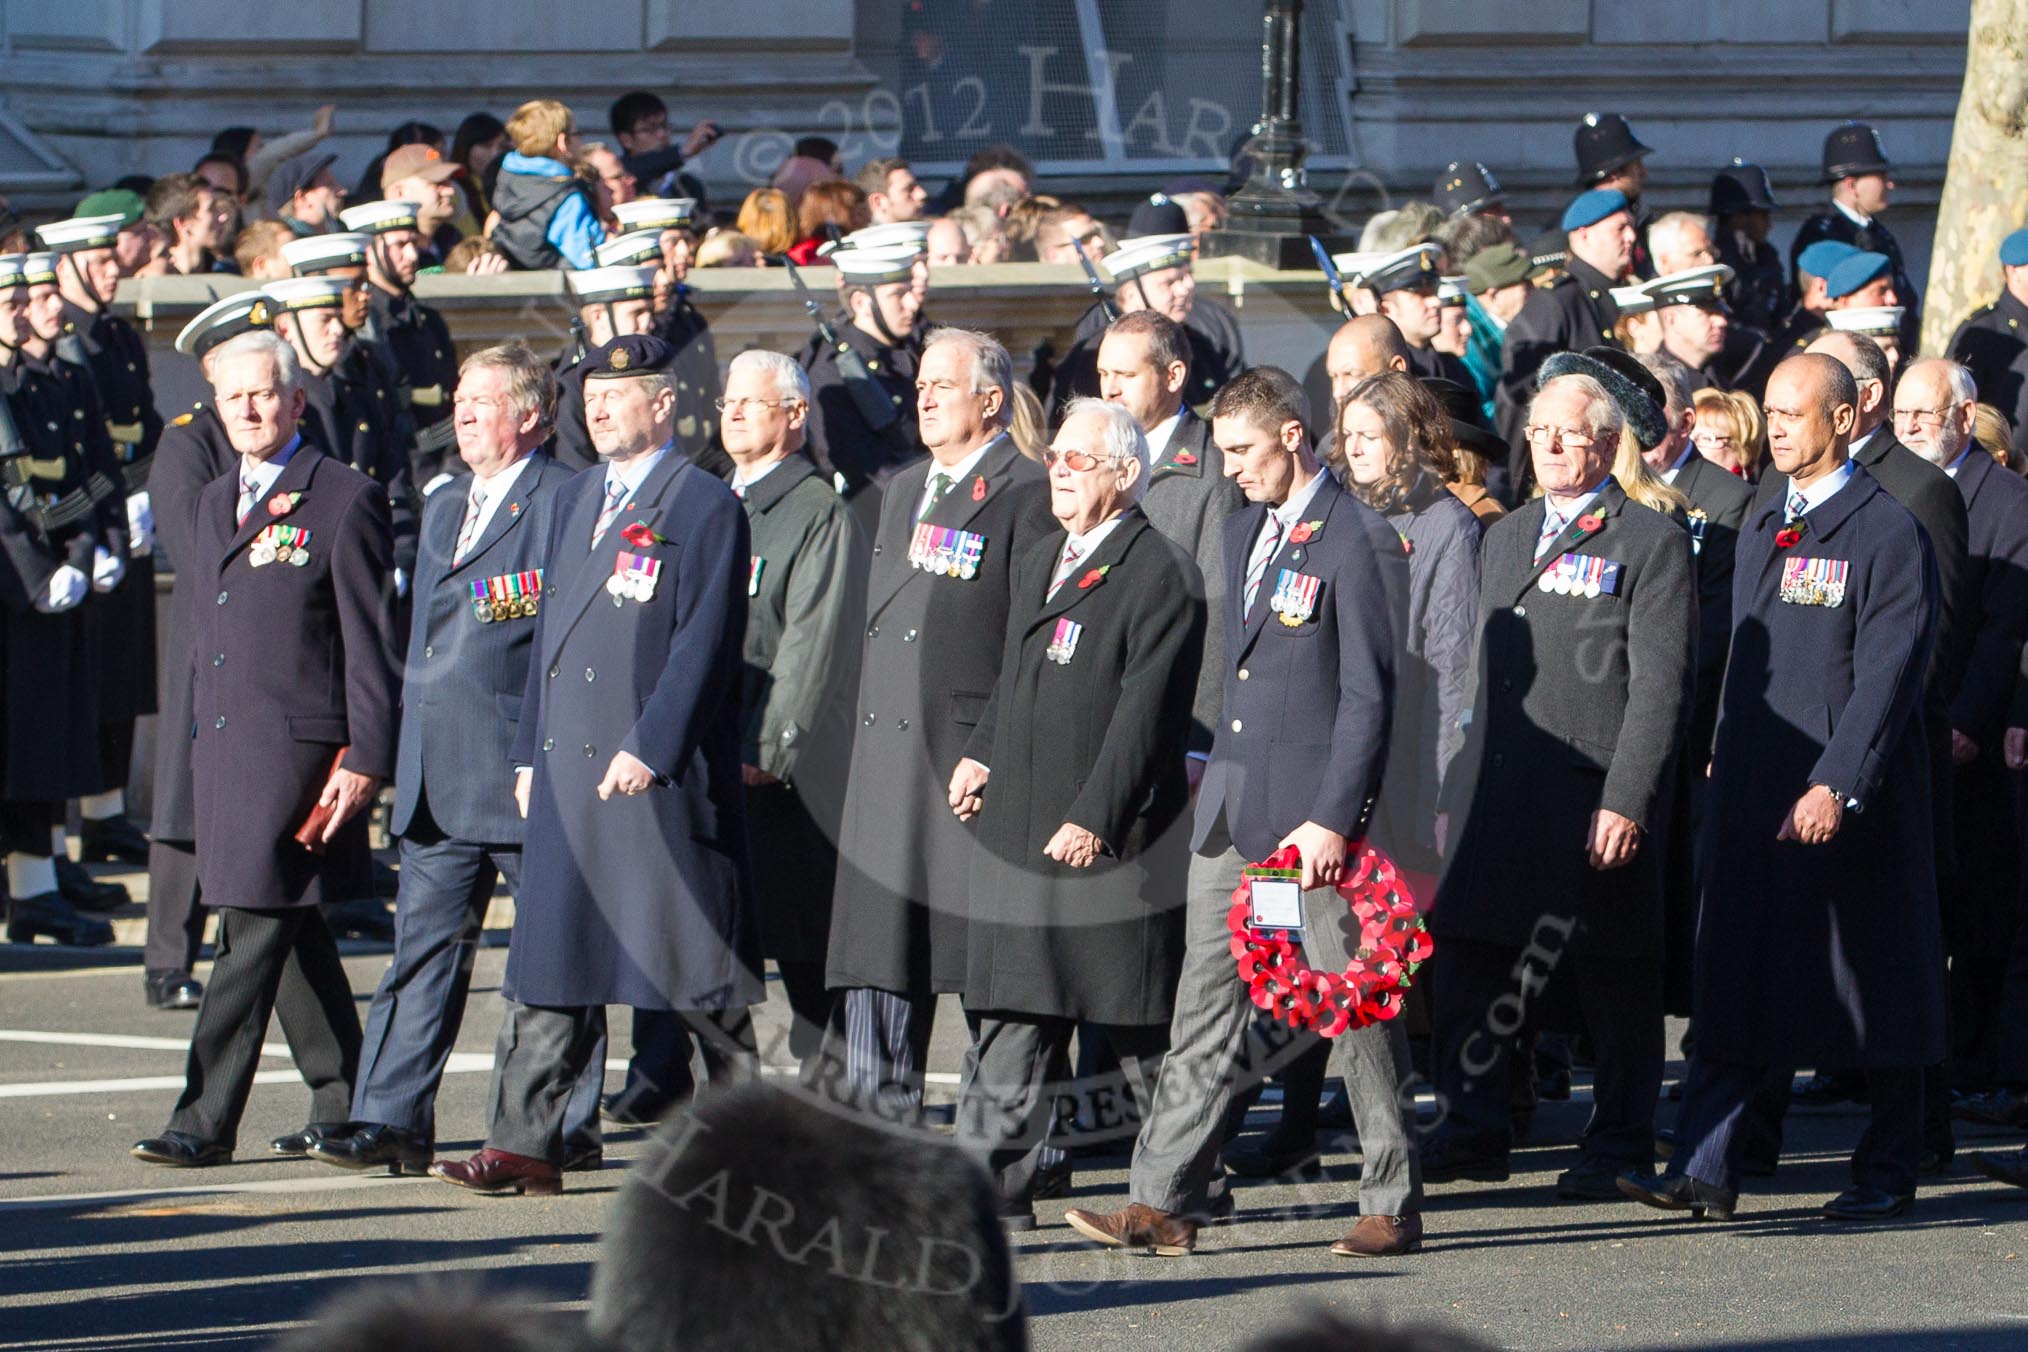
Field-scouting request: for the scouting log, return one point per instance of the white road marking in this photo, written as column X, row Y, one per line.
column 130, row 1040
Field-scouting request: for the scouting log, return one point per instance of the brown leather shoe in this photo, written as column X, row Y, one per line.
column 1381, row 1237
column 1138, row 1227
column 498, row 1171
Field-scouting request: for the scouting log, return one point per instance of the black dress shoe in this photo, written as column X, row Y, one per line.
column 1055, row 1181
column 2008, row 1168
column 115, row 840
column 1447, row 1161
column 296, row 1145
column 172, row 990
column 1017, row 1217
column 181, row 1150
column 51, row 914
column 1679, row 1192
column 1594, row 1181
column 1868, row 1204
column 1999, row 1108
column 85, row 892
column 1272, row 1158
column 587, row 1159
column 1826, row 1088
column 369, row 1147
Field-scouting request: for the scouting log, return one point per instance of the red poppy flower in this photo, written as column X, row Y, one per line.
column 979, row 489
column 1185, row 457
column 1589, row 522
column 1788, row 537
column 640, row 536
column 1304, row 531
column 1093, row 578
column 281, row 504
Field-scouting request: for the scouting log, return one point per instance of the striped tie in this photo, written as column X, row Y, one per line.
column 1263, row 553
column 616, row 497
column 469, row 532
column 1071, row 554
column 1551, row 528
column 248, row 491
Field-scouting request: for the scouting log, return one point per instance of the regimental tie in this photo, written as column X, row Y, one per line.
column 248, row 492
column 939, row 485
column 1071, row 554
column 475, row 506
column 1263, row 554
column 1798, row 504
column 1551, row 528
column 616, row 498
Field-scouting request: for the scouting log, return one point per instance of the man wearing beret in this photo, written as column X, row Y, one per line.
column 635, row 885
column 294, row 732
column 1576, row 313
column 1992, row 341
column 1857, row 171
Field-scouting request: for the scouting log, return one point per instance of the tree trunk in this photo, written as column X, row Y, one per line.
column 1985, row 194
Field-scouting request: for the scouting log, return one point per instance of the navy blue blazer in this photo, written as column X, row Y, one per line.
column 464, row 680
column 642, row 900
column 1996, row 511
column 1302, row 735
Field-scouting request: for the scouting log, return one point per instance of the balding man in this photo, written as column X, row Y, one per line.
column 1824, row 859
column 1933, row 407
column 1559, row 807
column 1679, row 241
column 1364, row 346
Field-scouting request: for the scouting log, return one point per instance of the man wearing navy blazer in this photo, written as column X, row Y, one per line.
column 293, row 556
column 1316, row 587
column 635, row 882
column 478, row 588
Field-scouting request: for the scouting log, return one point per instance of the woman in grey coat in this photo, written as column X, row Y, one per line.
column 1394, row 453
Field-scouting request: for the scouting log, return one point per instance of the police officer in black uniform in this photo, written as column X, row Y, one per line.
column 1992, row 343
column 1609, row 156
column 1742, row 203
column 1856, row 168
column 1468, row 188
column 87, row 275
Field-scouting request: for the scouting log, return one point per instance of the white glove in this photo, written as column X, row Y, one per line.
column 107, row 570
column 140, row 525
column 66, row 588
column 400, row 583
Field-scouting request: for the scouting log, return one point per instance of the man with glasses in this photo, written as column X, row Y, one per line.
column 937, row 605
column 805, row 580
column 1557, row 812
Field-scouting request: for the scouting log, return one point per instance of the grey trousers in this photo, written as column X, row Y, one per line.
column 1175, row 1158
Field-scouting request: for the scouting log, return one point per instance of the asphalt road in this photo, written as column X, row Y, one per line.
column 100, row 1252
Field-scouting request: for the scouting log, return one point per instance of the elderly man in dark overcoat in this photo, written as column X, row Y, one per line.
column 1820, row 939
column 1076, row 775
column 805, row 585
column 294, row 700
column 1316, row 595
column 635, row 888
column 938, row 597
column 480, row 570
column 1558, row 809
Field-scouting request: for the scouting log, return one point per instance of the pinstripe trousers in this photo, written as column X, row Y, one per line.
column 281, row 962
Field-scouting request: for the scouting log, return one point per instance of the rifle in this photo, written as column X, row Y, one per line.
column 1331, row 277
column 1098, row 288
column 873, row 402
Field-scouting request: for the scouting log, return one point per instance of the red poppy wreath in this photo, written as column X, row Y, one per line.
column 1393, row 943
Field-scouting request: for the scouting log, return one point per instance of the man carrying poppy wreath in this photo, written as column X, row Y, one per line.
column 1316, row 595
column 1558, row 808
column 635, row 887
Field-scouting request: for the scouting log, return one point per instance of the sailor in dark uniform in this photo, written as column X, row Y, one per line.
column 1857, row 170
column 678, row 321
column 412, row 333
column 1405, row 287
column 610, row 302
column 87, row 275
column 882, row 325
column 1992, row 343
column 1696, row 320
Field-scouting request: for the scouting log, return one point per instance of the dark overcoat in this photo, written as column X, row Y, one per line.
column 464, row 678
column 1581, row 705
column 124, row 618
column 292, row 663
column 643, row 900
column 930, row 655
column 193, row 451
column 806, row 597
column 1824, row 955
column 1996, row 509
column 1992, row 344
column 1098, row 740
column 1441, row 538
column 1188, row 500
column 1303, row 734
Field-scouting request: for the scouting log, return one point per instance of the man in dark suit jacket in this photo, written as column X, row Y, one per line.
column 1081, row 853
column 1819, row 937
column 194, row 450
column 1933, row 405
column 1143, row 366
column 1309, row 702
column 635, row 885
column 937, row 601
column 295, row 710
column 479, row 585
column 1560, row 806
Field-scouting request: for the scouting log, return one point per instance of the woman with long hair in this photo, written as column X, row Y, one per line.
column 832, row 207
column 478, row 145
